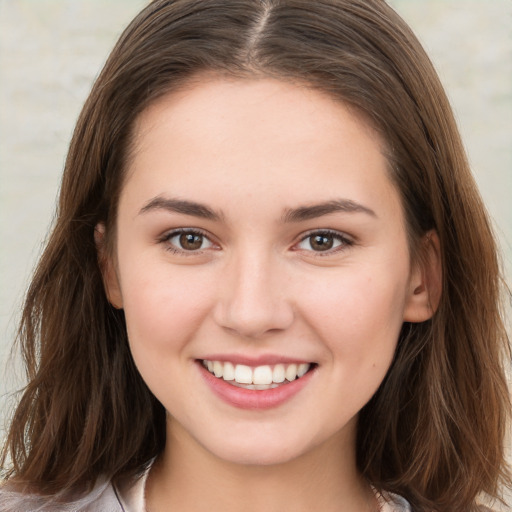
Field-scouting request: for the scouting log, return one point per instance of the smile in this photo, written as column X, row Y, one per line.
column 256, row 378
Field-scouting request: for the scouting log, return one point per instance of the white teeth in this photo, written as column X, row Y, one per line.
column 218, row 369
column 302, row 369
column 278, row 375
column 243, row 374
column 291, row 372
column 259, row 387
column 229, row 371
column 260, row 377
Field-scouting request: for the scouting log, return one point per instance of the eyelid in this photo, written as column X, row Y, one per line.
column 168, row 235
column 345, row 239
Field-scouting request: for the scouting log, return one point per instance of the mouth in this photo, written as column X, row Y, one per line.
column 256, row 386
column 258, row 378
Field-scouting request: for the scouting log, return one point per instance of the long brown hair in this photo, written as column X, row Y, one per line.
column 434, row 432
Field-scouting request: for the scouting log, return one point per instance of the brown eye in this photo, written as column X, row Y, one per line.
column 324, row 241
column 321, row 242
column 191, row 241
column 188, row 241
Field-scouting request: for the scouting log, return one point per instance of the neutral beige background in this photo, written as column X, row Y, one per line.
column 51, row 50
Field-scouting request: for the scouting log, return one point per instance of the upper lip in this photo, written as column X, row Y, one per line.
column 261, row 360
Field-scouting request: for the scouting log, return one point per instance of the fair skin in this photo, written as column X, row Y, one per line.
column 256, row 277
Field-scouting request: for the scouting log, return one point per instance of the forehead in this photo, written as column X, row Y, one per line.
column 262, row 101
column 265, row 137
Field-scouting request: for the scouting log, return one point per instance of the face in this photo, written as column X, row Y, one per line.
column 263, row 266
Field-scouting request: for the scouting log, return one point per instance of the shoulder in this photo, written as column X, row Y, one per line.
column 389, row 502
column 102, row 498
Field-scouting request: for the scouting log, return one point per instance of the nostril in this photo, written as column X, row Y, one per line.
column 248, row 319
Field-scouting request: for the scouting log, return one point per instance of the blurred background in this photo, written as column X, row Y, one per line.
column 51, row 51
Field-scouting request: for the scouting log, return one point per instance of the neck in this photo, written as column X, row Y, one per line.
column 188, row 477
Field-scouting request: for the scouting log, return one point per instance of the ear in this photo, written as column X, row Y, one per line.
column 425, row 285
column 108, row 268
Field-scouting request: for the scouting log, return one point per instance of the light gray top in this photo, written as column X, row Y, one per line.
column 126, row 497
column 132, row 499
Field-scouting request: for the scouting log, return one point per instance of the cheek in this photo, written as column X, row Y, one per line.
column 163, row 308
column 164, row 311
column 358, row 314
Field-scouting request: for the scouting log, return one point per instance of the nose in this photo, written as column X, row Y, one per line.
column 253, row 298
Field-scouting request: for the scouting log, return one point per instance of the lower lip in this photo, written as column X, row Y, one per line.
column 252, row 398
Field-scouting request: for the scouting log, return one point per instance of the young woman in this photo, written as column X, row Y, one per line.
column 271, row 283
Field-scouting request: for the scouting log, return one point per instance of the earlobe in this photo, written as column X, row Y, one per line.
column 425, row 286
column 107, row 267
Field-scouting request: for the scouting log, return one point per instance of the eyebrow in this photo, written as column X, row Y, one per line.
column 318, row 210
column 291, row 215
column 181, row 206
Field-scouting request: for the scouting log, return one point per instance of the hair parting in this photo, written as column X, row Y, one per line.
column 442, row 411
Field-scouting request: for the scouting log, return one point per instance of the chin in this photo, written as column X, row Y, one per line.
column 254, row 450
column 256, row 456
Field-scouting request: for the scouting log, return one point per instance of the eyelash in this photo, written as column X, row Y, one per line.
column 166, row 239
column 344, row 241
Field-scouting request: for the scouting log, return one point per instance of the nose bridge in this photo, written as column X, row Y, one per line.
column 254, row 294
